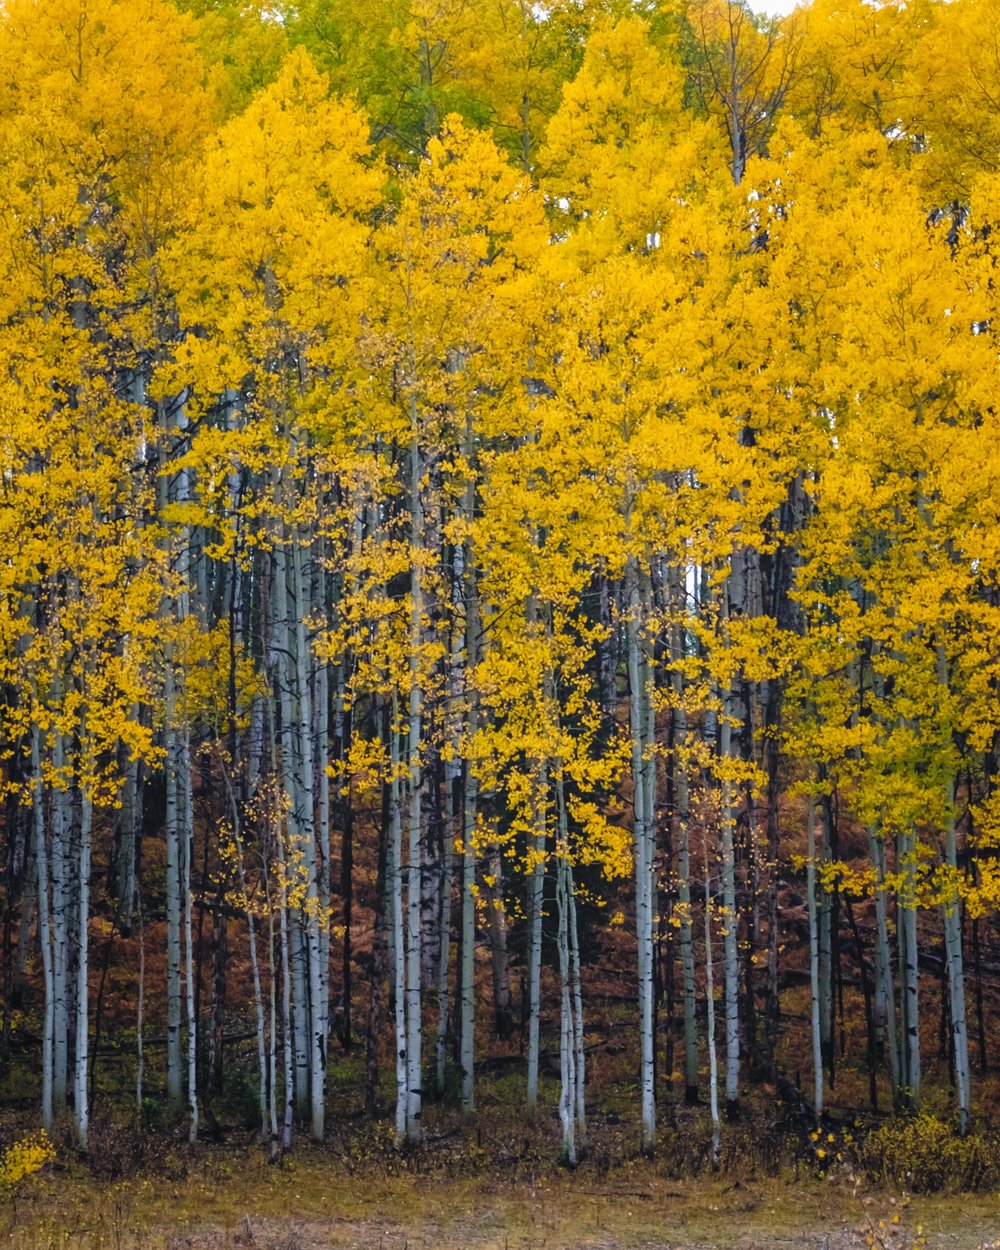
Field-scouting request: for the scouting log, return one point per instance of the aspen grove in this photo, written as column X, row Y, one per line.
column 499, row 556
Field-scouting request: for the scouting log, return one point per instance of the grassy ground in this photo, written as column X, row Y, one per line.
column 316, row 1201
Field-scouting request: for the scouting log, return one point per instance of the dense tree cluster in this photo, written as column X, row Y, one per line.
column 533, row 466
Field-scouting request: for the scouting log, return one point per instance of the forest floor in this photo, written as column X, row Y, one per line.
column 314, row 1204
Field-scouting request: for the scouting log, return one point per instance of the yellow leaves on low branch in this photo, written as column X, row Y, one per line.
column 23, row 1158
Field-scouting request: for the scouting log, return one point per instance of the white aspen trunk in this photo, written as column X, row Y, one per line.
column 579, row 1068
column 904, row 1049
column 300, row 1009
column 713, row 1063
column 684, row 901
column 431, row 881
column 467, row 993
column 61, row 895
column 288, row 1064
column 342, row 732
column 952, row 907
column 470, row 798
column 322, row 752
column 907, row 929
column 578, row 1088
column 173, row 833
column 255, row 744
column 414, row 1024
column 187, row 852
column 825, row 950
column 639, row 721
column 567, row 1041
column 258, row 1002
column 295, row 924
column 81, row 1110
column 734, row 591
column 683, row 812
column 730, row 924
column 318, row 990
column 272, row 1044
column 390, row 937
column 394, row 883
column 451, row 774
column 885, row 997
column 44, row 927
column 179, row 809
column 648, row 686
column 291, row 1065
column 540, row 804
column 258, row 997
column 814, row 960
column 647, row 679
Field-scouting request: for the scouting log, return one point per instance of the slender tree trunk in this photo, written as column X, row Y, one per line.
column 174, row 841
column 291, row 1064
column 258, row 1003
column 952, row 907
column 772, row 740
column 414, row 880
column 576, row 986
column 61, row 899
column 642, row 848
column 44, row 928
column 906, row 927
column 272, row 1057
column 187, row 852
column 825, row 949
column 81, row 1109
column 567, row 1040
column 467, row 992
column 866, row 993
column 730, row 945
column 885, row 996
column 470, row 799
column 814, row 961
column 300, row 1003
column 577, row 1073
column 313, row 919
column 395, row 880
column 344, row 729
column 537, row 898
column 321, row 789
column 383, row 885
column 496, row 932
column 684, row 895
column 258, row 996
column 713, row 1063
column 956, row 970
column 299, row 955
column 444, row 954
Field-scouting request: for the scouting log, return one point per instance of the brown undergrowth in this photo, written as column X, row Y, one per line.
column 494, row 1186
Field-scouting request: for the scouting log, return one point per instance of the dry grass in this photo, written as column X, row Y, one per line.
column 314, row 1203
